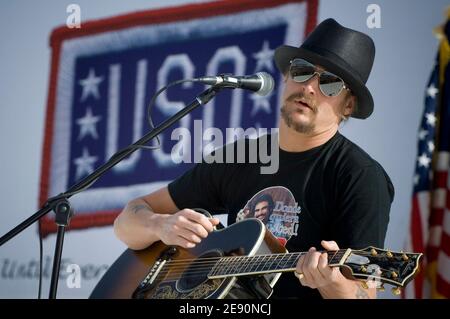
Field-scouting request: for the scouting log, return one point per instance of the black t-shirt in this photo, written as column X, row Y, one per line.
column 335, row 191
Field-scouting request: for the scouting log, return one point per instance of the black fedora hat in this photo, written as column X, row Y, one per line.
column 340, row 50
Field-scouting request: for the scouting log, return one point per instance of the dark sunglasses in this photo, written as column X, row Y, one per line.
column 329, row 83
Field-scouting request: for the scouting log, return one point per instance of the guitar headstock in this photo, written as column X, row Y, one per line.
column 378, row 266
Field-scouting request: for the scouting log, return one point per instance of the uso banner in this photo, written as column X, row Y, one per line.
column 104, row 75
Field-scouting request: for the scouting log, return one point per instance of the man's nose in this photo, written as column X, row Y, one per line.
column 311, row 86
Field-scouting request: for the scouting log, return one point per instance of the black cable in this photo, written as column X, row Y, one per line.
column 40, row 259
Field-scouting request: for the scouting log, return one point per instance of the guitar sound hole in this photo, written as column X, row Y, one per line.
column 197, row 272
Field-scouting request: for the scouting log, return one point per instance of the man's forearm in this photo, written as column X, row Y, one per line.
column 137, row 225
column 347, row 289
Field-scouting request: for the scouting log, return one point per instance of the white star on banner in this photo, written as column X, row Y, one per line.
column 85, row 164
column 430, row 146
column 90, row 85
column 264, row 58
column 260, row 103
column 432, row 91
column 431, row 119
column 424, row 160
column 423, row 134
column 88, row 125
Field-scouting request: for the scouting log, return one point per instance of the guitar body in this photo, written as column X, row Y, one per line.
column 170, row 272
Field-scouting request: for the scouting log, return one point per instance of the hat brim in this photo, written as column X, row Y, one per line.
column 364, row 104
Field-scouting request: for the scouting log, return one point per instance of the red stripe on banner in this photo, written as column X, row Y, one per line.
column 440, row 179
column 82, row 221
column 442, row 286
column 436, row 216
column 48, row 129
column 311, row 22
column 48, row 133
column 186, row 12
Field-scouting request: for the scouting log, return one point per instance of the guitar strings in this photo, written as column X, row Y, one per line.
column 207, row 264
column 188, row 261
column 176, row 274
column 183, row 274
column 232, row 261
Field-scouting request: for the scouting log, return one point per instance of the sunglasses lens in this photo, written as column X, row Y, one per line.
column 301, row 71
column 330, row 84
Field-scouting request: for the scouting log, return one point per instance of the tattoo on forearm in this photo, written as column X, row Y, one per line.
column 137, row 208
column 361, row 293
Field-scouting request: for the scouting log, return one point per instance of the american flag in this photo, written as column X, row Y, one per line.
column 429, row 230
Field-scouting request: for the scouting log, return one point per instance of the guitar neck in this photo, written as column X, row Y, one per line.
column 232, row 266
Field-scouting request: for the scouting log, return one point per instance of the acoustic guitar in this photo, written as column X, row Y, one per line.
column 243, row 260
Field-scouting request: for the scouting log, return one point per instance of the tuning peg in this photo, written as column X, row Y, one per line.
column 364, row 285
column 396, row 291
column 373, row 252
column 404, row 257
column 381, row 288
column 363, row 269
column 389, row 254
column 394, row 274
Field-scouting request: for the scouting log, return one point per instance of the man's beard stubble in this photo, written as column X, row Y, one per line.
column 287, row 114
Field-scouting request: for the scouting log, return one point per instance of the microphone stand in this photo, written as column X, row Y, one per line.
column 60, row 203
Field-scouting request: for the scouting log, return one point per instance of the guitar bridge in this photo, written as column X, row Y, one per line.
column 147, row 282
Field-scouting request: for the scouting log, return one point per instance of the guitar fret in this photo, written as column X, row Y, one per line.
column 271, row 264
column 265, row 263
column 246, row 264
column 293, row 262
column 260, row 263
column 228, row 266
column 215, row 268
column 286, row 258
column 235, row 264
column 337, row 256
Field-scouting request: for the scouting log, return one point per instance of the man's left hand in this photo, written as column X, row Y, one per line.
column 313, row 270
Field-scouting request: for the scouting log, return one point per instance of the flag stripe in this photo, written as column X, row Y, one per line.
column 436, row 217
column 445, row 244
column 416, row 226
column 444, row 266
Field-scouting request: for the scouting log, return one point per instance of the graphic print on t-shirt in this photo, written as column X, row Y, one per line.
column 276, row 207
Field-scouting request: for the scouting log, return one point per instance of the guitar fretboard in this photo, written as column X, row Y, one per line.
column 259, row 264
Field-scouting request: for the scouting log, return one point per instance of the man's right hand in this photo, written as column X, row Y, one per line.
column 185, row 228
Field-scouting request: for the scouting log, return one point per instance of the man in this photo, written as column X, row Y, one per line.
column 262, row 207
column 342, row 196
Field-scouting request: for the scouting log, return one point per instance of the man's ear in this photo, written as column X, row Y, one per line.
column 349, row 105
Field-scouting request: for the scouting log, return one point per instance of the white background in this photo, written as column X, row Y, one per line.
column 405, row 54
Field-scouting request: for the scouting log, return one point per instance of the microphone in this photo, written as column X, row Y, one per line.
column 261, row 83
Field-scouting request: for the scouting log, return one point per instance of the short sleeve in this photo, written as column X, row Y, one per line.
column 364, row 198
column 199, row 187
